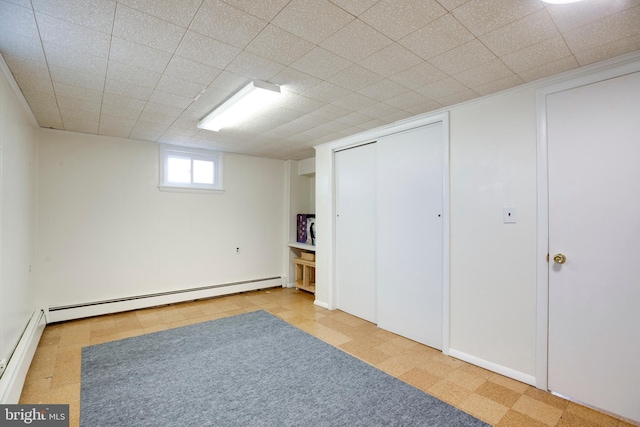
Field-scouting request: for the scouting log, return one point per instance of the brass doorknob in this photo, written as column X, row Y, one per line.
column 559, row 258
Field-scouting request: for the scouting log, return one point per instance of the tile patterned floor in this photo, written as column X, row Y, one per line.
column 54, row 375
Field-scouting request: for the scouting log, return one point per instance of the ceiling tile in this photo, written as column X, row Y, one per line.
column 138, row 55
column 115, row 126
column 138, row 27
column 407, row 100
column 483, row 16
column 41, row 103
column 254, row 67
column 50, row 121
column 23, row 3
column 483, row 74
column 606, row 30
column 27, row 48
column 71, row 76
column 63, row 56
column 355, row 78
column 75, row 38
column 570, row 16
column 170, row 99
column 124, row 89
column 300, row 103
column 354, row 102
column 95, row 14
column 177, row 12
column 390, row 60
column 180, row 87
column 452, row 4
column 499, row 85
column 91, row 115
column 321, row 63
column 227, row 24
column 462, row 58
column 519, row 34
column 35, row 84
column 548, row 69
column 327, row 19
column 26, row 67
column 327, row 92
column 134, row 75
column 78, row 104
column 78, row 92
column 536, row 55
column 207, row 102
column 437, row 37
column 457, row 98
column 606, row 51
column 442, row 88
column 418, row 76
column 119, row 112
column 294, row 80
column 356, row 41
column 191, row 71
column 145, row 134
column 383, row 90
column 264, row 9
column 229, row 82
column 383, row 111
column 353, row 119
column 206, row 50
column 354, row 7
column 122, row 102
column 17, row 20
column 150, row 119
column 279, row 45
column 331, row 112
column 424, row 107
column 397, row 19
column 73, row 124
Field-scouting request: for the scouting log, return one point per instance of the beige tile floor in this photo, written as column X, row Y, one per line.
column 54, row 375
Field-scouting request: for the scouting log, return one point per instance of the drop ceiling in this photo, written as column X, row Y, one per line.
column 150, row 69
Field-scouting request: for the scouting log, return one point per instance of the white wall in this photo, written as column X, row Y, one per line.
column 18, row 138
column 493, row 265
column 105, row 230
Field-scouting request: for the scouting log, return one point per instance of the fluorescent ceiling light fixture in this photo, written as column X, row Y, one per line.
column 561, row 1
column 244, row 104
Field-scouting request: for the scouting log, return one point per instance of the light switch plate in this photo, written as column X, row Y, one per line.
column 509, row 214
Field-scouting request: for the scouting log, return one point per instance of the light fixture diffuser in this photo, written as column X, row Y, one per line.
column 245, row 103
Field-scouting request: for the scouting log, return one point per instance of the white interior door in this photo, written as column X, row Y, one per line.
column 355, row 231
column 594, row 219
column 410, row 233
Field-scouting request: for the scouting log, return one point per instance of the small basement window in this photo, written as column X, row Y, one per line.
column 186, row 169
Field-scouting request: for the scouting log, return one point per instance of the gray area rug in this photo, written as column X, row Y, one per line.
column 248, row 370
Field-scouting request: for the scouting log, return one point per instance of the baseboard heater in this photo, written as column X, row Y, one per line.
column 96, row 308
column 12, row 379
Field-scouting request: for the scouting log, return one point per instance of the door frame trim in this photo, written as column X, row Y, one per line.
column 589, row 76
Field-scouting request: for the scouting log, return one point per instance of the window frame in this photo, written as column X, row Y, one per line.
column 216, row 157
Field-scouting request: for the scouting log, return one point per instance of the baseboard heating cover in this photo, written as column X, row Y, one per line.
column 97, row 308
column 13, row 377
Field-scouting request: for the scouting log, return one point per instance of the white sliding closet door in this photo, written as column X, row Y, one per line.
column 355, row 231
column 409, row 229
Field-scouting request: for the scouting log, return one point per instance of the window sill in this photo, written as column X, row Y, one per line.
column 176, row 189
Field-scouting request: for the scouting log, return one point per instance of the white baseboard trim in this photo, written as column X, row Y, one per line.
column 321, row 304
column 494, row 367
column 12, row 379
column 79, row 311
